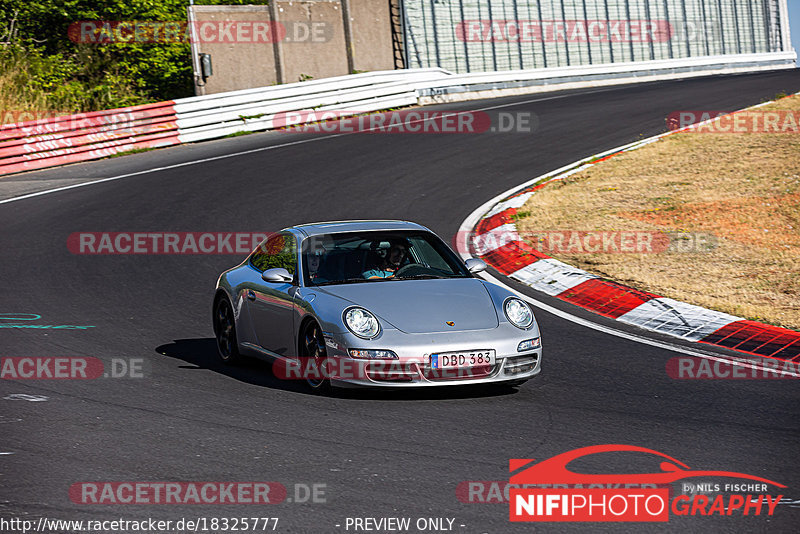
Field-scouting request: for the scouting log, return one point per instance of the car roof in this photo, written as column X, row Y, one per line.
column 333, row 227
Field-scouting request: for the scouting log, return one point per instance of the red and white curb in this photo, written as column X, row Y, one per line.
column 491, row 234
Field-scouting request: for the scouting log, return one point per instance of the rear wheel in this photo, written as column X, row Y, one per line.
column 225, row 331
column 314, row 357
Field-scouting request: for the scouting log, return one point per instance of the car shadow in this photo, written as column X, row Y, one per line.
column 201, row 353
column 430, row 393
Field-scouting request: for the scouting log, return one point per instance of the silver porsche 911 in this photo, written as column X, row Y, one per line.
column 372, row 303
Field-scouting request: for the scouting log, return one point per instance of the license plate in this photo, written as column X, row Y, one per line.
column 457, row 360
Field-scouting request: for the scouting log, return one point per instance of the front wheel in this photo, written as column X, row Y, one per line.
column 225, row 331
column 313, row 358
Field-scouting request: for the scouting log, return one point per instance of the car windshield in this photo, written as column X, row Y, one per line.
column 373, row 257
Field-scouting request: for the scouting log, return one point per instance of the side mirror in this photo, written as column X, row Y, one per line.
column 474, row 265
column 278, row 274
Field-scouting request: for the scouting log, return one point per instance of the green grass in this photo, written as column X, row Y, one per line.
column 238, row 134
column 131, row 151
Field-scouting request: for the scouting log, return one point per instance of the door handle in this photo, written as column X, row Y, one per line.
column 251, row 295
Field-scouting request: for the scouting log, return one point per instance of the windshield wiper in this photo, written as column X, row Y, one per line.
column 420, row 277
column 352, row 281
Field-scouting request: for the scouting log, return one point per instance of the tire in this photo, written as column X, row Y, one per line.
column 312, row 347
column 225, row 332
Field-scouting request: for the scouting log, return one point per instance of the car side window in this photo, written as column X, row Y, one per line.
column 279, row 250
column 428, row 255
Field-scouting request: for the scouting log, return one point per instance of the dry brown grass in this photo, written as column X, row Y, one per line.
column 742, row 188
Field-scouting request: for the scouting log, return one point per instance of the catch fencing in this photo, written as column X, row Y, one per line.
column 47, row 143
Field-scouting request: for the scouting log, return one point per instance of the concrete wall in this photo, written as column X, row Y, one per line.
column 371, row 34
column 315, row 42
column 237, row 65
column 312, row 39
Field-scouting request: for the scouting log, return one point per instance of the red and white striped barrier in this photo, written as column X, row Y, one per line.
column 45, row 143
column 494, row 238
column 56, row 141
column 48, row 143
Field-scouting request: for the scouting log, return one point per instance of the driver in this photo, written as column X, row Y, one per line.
column 315, row 260
column 398, row 249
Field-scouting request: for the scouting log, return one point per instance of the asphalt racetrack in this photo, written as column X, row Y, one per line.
column 370, row 455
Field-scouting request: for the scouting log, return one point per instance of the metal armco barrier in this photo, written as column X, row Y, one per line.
column 73, row 138
column 57, row 141
column 503, row 83
column 250, row 110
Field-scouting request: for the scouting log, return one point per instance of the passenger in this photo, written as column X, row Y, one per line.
column 391, row 263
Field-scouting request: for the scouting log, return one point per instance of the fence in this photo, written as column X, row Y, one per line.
column 51, row 142
column 465, row 36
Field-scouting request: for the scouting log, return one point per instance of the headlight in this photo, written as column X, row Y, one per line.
column 529, row 344
column 518, row 313
column 361, row 322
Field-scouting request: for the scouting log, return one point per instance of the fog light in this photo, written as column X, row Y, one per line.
column 363, row 354
column 529, row 344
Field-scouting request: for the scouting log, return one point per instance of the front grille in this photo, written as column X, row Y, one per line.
column 379, row 372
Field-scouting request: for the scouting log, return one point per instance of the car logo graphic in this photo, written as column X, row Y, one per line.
column 554, row 470
column 450, row 323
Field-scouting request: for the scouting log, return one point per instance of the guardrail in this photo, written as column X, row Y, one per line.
column 73, row 138
column 460, row 86
column 207, row 117
column 46, row 143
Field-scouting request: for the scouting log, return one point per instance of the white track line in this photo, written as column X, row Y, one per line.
column 466, row 226
column 272, row 147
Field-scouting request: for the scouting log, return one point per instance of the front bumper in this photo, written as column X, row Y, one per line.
column 412, row 367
